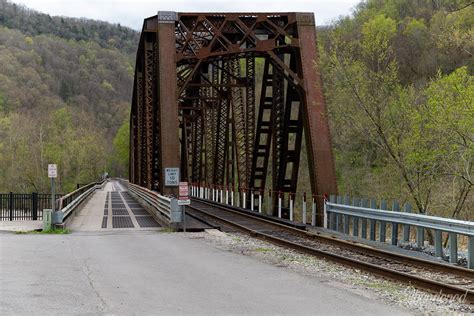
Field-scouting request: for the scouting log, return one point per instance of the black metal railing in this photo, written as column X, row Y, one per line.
column 24, row 206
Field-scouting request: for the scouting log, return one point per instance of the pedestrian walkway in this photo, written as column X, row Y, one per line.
column 20, row 226
column 112, row 208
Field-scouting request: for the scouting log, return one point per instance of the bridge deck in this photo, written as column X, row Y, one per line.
column 112, row 208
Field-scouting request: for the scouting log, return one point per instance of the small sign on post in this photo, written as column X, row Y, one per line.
column 52, row 174
column 52, row 171
column 183, row 200
column 171, row 177
column 183, row 194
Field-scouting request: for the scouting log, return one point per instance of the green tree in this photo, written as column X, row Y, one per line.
column 122, row 147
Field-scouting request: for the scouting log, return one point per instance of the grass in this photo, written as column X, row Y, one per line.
column 167, row 230
column 52, row 231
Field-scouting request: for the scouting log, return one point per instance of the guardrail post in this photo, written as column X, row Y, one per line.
column 291, row 206
column 313, row 212
column 438, row 243
column 373, row 205
column 222, row 195
column 406, row 228
column 383, row 224
column 355, row 220
column 10, row 206
column 260, row 201
column 332, row 216
column 470, row 252
column 252, row 201
column 338, row 216
column 363, row 221
column 395, row 208
column 226, row 194
column 420, row 236
column 453, row 247
column 304, row 208
column 279, row 204
column 232, row 196
column 244, row 198
column 347, row 201
column 34, row 205
column 269, row 202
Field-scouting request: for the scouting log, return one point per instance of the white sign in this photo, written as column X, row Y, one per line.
column 183, row 191
column 171, row 177
column 183, row 198
column 184, row 202
column 52, row 171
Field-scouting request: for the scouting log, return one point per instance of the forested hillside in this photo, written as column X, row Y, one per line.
column 65, row 87
column 399, row 86
column 397, row 79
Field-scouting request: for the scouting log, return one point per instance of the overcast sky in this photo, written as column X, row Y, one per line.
column 132, row 12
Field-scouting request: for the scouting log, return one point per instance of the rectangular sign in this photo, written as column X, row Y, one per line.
column 183, row 198
column 52, row 171
column 171, row 177
column 183, row 191
column 184, row 202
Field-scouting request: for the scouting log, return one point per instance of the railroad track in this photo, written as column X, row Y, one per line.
column 427, row 275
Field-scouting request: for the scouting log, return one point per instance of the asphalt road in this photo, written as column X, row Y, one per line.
column 148, row 272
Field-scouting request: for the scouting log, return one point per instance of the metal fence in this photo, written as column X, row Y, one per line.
column 24, row 206
column 369, row 221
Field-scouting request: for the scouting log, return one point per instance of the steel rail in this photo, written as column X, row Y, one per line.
column 427, row 284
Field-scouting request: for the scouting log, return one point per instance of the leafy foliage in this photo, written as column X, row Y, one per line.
column 65, row 88
column 400, row 97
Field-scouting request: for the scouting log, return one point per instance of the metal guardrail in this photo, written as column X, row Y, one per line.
column 159, row 204
column 339, row 217
column 68, row 203
column 419, row 220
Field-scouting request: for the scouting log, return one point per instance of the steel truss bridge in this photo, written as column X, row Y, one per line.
column 227, row 97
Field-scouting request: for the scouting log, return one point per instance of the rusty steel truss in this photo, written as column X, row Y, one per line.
column 227, row 97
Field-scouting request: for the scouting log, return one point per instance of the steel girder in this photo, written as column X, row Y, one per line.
column 201, row 73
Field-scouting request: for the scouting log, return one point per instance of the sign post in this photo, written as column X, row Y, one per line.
column 52, row 174
column 183, row 200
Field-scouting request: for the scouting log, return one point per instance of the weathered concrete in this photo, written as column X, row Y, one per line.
column 89, row 216
column 145, row 272
column 20, row 226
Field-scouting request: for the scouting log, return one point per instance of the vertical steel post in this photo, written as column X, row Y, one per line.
column 382, row 224
column 453, row 248
column 316, row 125
column 420, row 236
column 355, row 222
column 406, row 228
column 373, row 205
column 438, row 243
column 34, row 205
column 53, row 204
column 252, row 202
column 347, row 218
column 291, row 207
column 304, row 208
column 169, row 124
column 395, row 208
column 363, row 223
column 279, row 204
column 10, row 206
column 338, row 216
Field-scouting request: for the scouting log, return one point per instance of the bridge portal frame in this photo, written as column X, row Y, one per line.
column 194, row 102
